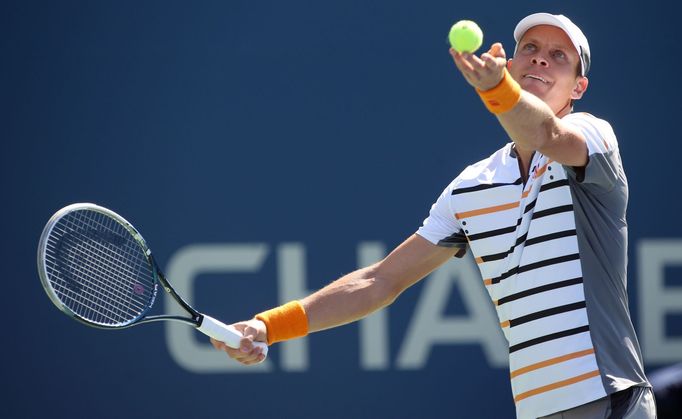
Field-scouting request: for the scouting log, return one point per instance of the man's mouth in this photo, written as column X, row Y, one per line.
column 535, row 77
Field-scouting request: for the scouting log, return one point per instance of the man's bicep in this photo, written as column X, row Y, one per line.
column 567, row 147
column 415, row 258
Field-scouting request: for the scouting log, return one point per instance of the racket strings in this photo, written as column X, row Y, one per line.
column 98, row 270
column 118, row 267
column 92, row 260
column 90, row 264
column 89, row 297
column 83, row 294
column 86, row 303
column 110, row 294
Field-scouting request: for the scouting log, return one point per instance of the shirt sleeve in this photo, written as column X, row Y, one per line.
column 604, row 167
column 440, row 227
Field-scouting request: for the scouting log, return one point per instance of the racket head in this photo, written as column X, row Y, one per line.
column 96, row 267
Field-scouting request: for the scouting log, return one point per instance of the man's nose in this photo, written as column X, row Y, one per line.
column 540, row 61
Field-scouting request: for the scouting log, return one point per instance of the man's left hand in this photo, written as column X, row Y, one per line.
column 484, row 72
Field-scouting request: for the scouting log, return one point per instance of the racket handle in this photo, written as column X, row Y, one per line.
column 224, row 333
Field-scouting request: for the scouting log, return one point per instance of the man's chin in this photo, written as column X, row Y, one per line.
column 535, row 88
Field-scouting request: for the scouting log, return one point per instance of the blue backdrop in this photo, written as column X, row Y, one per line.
column 314, row 135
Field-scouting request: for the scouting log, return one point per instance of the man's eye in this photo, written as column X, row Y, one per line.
column 529, row 47
column 559, row 54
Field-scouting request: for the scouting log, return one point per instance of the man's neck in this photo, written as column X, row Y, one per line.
column 568, row 108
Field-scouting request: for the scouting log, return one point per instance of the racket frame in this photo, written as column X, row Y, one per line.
column 196, row 317
column 205, row 324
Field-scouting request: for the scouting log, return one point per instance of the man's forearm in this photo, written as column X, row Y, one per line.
column 533, row 126
column 357, row 294
column 530, row 123
column 348, row 299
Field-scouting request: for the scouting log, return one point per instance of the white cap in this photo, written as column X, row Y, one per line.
column 562, row 22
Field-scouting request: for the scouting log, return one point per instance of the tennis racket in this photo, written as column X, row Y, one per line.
column 96, row 267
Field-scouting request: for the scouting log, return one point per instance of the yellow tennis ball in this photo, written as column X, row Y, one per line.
column 465, row 36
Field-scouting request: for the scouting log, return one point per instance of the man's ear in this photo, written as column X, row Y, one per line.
column 509, row 61
column 580, row 88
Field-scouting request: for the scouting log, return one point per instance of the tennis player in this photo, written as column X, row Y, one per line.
column 544, row 217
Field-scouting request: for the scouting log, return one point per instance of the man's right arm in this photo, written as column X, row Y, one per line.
column 364, row 291
column 355, row 295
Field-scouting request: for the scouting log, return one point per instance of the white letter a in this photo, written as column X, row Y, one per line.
column 428, row 326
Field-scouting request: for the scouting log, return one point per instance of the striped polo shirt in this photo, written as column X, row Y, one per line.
column 552, row 255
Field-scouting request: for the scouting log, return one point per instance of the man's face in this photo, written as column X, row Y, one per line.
column 546, row 63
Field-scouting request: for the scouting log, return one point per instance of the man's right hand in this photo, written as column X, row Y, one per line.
column 247, row 353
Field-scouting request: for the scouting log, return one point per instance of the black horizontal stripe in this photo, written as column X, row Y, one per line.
column 547, row 338
column 546, row 313
column 484, row 186
column 496, row 256
column 503, row 255
column 547, row 262
column 536, row 265
column 493, row 233
column 538, row 290
column 552, row 185
column 552, row 211
column 548, row 237
column 530, row 206
column 505, row 275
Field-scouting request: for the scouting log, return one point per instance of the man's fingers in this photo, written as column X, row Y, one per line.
column 217, row 344
column 247, row 353
column 456, row 57
column 476, row 62
column 493, row 63
column 246, row 344
column 257, row 360
column 251, row 357
column 482, row 72
column 469, row 61
column 464, row 66
column 242, row 354
column 496, row 50
column 240, row 326
column 250, row 332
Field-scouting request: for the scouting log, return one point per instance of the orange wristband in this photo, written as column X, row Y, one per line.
column 502, row 97
column 285, row 322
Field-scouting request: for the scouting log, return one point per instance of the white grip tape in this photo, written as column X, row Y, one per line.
column 224, row 333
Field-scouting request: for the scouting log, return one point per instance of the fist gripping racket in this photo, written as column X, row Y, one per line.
column 97, row 268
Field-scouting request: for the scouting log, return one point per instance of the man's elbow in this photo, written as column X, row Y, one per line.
column 547, row 135
column 386, row 288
